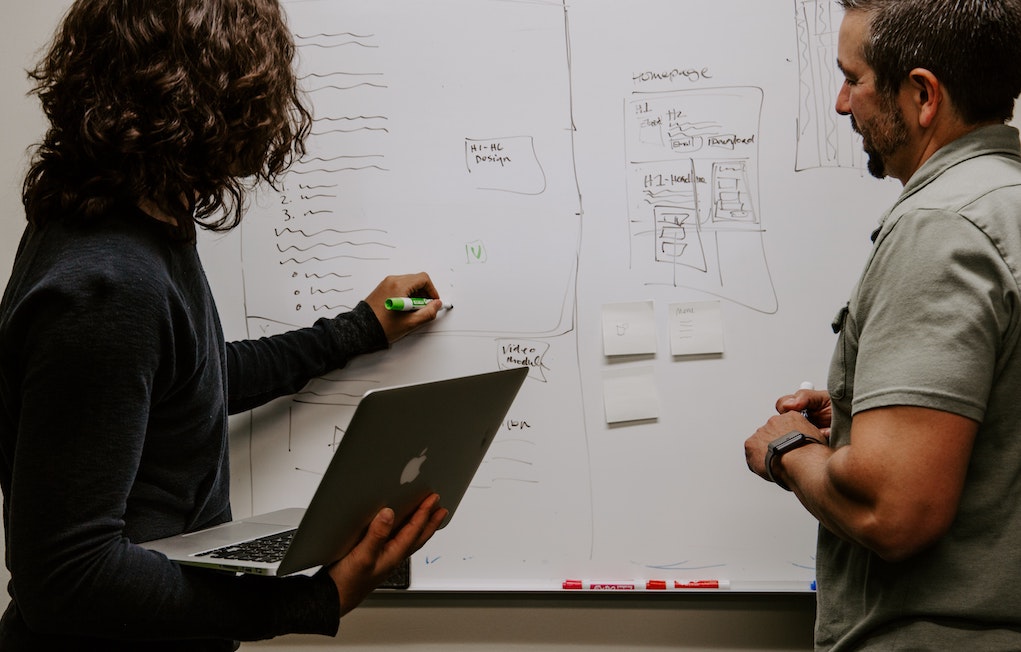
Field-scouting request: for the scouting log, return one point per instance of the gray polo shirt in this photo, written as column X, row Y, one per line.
column 934, row 322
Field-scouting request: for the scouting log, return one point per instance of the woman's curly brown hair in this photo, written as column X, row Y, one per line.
column 182, row 103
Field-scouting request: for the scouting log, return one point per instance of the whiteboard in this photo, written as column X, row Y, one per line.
column 545, row 161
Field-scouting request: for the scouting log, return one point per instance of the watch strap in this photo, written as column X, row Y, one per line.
column 781, row 446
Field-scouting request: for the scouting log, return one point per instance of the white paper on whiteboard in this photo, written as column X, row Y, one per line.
column 696, row 328
column 629, row 328
column 630, row 395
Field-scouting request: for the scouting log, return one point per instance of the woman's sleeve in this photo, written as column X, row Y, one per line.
column 261, row 370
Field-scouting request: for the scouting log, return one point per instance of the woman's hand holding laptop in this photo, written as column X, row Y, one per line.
column 379, row 553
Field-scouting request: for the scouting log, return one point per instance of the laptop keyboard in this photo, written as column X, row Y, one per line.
column 268, row 549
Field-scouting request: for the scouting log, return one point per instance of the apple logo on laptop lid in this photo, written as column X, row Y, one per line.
column 413, row 468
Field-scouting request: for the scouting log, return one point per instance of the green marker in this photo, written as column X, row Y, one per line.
column 411, row 303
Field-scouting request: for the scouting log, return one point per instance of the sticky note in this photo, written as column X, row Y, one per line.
column 630, row 394
column 629, row 328
column 696, row 328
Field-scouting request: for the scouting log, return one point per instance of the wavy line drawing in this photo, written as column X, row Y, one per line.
column 334, row 35
column 331, row 308
column 683, row 565
column 503, row 479
column 349, row 131
column 353, row 117
column 355, row 168
column 335, row 45
column 511, row 459
column 338, row 73
column 345, row 88
column 330, row 258
column 330, row 245
column 340, row 157
column 323, row 276
column 312, row 234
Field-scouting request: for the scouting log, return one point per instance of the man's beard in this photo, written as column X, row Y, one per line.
column 882, row 136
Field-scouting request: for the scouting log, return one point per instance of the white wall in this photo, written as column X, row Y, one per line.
column 449, row 622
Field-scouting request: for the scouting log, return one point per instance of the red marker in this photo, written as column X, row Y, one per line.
column 590, row 585
column 663, row 585
column 703, row 584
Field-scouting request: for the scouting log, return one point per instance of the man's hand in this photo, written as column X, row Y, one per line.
column 814, row 404
column 807, row 411
column 777, row 426
column 893, row 489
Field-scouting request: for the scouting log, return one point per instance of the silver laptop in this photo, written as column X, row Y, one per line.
column 382, row 460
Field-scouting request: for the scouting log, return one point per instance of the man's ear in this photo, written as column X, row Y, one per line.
column 926, row 94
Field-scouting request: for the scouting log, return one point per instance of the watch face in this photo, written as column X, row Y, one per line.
column 781, row 445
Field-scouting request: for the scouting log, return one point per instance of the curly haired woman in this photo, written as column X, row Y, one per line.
column 115, row 380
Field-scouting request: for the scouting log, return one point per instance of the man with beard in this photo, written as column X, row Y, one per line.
column 911, row 459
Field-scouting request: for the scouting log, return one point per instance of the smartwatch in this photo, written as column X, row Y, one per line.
column 782, row 445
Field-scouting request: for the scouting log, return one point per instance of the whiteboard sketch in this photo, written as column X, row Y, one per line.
column 441, row 164
column 825, row 139
column 507, row 164
column 692, row 192
column 440, row 159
